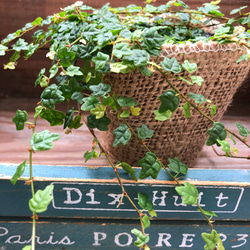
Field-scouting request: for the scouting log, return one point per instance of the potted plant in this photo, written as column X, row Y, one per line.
column 155, row 81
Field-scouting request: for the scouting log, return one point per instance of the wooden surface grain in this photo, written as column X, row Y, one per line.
column 70, row 148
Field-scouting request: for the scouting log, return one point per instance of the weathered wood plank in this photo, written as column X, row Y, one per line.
column 106, row 235
column 81, row 192
column 240, row 177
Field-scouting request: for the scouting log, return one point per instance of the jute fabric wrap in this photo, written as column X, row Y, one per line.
column 179, row 136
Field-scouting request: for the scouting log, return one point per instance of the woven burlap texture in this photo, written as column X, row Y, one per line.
column 179, row 137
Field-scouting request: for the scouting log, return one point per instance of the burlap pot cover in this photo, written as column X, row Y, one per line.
column 179, row 137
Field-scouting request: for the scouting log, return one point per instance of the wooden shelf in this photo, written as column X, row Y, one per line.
column 70, row 148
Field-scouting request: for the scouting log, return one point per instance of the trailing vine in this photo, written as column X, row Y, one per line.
column 123, row 40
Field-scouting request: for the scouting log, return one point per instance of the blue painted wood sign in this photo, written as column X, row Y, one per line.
column 84, row 215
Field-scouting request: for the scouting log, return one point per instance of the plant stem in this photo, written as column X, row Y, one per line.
column 169, row 173
column 238, row 137
column 197, row 108
column 78, row 39
column 31, row 171
column 231, row 156
column 148, row 150
column 207, row 219
column 124, row 193
column 135, row 135
column 187, row 100
column 32, row 190
column 30, row 160
column 33, row 232
column 21, row 34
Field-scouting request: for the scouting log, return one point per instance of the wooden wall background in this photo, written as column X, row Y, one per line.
column 14, row 14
